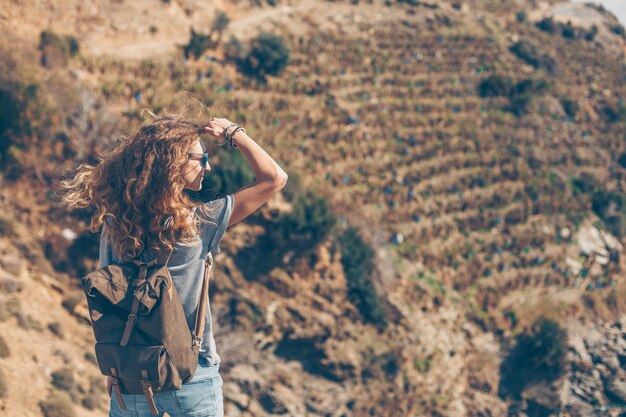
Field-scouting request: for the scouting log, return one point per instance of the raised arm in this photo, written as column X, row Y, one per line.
column 270, row 177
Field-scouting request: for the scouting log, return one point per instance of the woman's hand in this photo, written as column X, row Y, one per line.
column 217, row 125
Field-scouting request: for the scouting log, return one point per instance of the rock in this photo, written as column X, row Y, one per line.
column 279, row 399
column 11, row 263
column 616, row 390
column 69, row 234
column 578, row 346
column 232, row 392
column 611, row 361
column 278, row 280
column 593, row 241
column 397, row 238
column 10, row 285
column 573, row 265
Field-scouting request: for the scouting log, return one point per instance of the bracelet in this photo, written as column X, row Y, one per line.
column 232, row 136
column 226, row 130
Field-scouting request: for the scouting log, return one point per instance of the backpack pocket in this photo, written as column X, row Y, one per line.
column 129, row 361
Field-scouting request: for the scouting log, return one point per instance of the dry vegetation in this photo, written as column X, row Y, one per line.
column 471, row 198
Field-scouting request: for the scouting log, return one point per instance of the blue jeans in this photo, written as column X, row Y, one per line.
column 200, row 397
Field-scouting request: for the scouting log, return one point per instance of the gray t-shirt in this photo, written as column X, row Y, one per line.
column 186, row 265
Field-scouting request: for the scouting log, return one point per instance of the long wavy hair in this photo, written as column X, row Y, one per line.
column 140, row 185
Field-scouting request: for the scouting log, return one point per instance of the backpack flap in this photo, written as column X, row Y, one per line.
column 109, row 285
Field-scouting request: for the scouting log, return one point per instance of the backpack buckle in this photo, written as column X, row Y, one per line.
column 196, row 341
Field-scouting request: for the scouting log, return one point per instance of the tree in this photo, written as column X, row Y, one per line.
column 267, row 55
column 219, row 25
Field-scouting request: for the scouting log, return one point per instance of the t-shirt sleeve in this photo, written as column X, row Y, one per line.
column 218, row 212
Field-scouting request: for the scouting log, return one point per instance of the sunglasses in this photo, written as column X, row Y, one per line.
column 204, row 156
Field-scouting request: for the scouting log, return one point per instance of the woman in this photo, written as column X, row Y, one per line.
column 137, row 193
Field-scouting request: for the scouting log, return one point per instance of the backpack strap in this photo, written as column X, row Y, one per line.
column 202, row 300
column 204, row 294
column 132, row 317
column 147, row 392
column 116, row 388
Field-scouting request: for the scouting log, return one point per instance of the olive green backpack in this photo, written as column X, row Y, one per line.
column 143, row 341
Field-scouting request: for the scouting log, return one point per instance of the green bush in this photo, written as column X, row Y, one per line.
column 494, row 86
column 612, row 111
column 548, row 25
column 56, row 49
column 58, row 404
column 522, row 94
column 585, row 183
column 538, row 355
column 529, row 53
column 521, row 16
column 303, row 228
column 267, row 55
column 16, row 98
column 570, row 107
column 610, row 206
column 198, row 43
column 357, row 259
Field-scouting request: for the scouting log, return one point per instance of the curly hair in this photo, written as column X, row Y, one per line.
column 140, row 185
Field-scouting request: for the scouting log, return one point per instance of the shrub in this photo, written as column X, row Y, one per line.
column 618, row 30
column 56, row 49
column 219, row 25
column 522, row 93
column 548, row 25
column 613, row 112
column 4, row 386
column 591, row 34
column 56, row 329
column 303, row 228
column 570, row 107
column 58, row 404
column 267, row 55
column 494, row 86
column 358, row 265
column 198, row 43
column 27, row 322
column 529, row 53
column 5, row 352
column 64, row 380
column 585, row 183
column 622, row 160
column 610, row 206
column 521, row 16
column 538, row 355
column 15, row 100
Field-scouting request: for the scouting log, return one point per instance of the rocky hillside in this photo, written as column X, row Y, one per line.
column 477, row 147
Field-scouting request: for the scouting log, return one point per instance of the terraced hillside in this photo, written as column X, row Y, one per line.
column 483, row 208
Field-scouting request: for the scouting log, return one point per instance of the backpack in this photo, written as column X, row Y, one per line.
column 143, row 341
